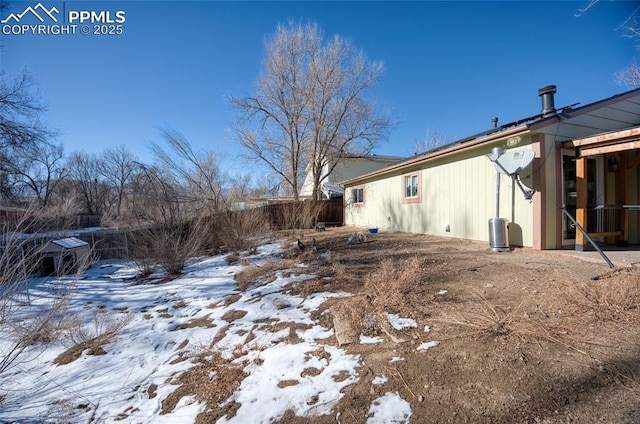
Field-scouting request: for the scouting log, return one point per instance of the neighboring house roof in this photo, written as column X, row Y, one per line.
column 331, row 190
column 614, row 113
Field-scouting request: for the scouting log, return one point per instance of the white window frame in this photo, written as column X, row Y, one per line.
column 355, row 199
column 412, row 187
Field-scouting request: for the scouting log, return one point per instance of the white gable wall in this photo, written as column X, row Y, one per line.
column 345, row 169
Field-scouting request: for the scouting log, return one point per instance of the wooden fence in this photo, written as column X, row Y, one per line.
column 305, row 213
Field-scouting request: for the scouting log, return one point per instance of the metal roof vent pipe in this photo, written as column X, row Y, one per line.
column 548, row 107
column 494, row 122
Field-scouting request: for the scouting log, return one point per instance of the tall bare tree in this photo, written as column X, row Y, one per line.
column 156, row 199
column 34, row 170
column 20, row 108
column 117, row 168
column 20, row 126
column 84, row 170
column 310, row 105
column 197, row 173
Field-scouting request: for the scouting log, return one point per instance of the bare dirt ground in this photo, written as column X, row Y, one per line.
column 524, row 336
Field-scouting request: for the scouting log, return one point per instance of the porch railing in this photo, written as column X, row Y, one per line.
column 604, row 220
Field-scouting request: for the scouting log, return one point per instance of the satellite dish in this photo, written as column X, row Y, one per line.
column 514, row 161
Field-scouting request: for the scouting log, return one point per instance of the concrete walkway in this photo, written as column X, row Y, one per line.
column 620, row 258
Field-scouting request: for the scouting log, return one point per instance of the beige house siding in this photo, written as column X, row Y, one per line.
column 457, row 182
column 457, row 190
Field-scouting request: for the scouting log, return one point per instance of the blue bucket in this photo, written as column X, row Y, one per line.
column 373, row 230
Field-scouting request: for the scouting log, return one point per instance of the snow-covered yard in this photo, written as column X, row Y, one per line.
column 167, row 324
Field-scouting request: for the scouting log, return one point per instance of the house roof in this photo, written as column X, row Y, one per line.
column 613, row 113
column 609, row 142
column 373, row 156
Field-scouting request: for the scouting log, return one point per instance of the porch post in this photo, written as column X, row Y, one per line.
column 581, row 201
column 623, row 195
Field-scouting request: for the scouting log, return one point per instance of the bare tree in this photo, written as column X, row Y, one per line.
column 630, row 28
column 431, row 140
column 20, row 108
column 193, row 202
column 310, row 105
column 117, row 167
column 176, row 198
column 156, row 199
column 84, row 171
column 34, row 170
column 628, row 77
column 197, row 173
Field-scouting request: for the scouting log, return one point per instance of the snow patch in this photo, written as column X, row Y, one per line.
column 399, row 323
column 370, row 340
column 427, row 345
column 379, row 380
column 389, row 409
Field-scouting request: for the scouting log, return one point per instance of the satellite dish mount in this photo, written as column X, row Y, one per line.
column 510, row 163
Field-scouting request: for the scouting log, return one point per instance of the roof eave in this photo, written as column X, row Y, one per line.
column 522, row 129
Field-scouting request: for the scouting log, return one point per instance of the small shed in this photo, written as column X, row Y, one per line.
column 64, row 256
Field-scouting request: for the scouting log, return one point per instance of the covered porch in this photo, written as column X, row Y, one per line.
column 607, row 183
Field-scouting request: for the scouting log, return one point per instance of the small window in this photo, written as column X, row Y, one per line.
column 357, row 195
column 411, row 186
column 411, row 191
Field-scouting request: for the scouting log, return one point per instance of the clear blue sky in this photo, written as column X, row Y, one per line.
column 450, row 66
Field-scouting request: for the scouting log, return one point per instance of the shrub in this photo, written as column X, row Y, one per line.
column 20, row 257
column 169, row 246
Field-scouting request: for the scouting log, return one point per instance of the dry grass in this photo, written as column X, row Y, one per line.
column 612, row 296
column 358, row 311
column 342, row 274
column 482, row 317
column 102, row 325
column 232, row 258
column 307, row 287
column 385, row 289
column 79, row 337
column 204, row 322
column 389, row 285
column 258, row 275
column 212, row 380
